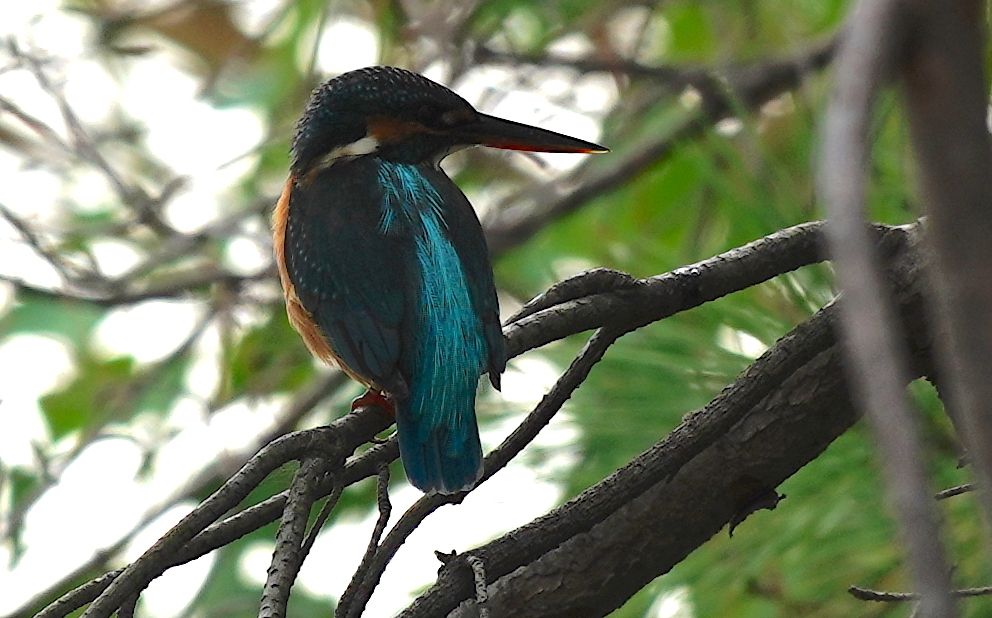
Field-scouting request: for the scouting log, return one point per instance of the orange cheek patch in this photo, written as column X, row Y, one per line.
column 390, row 130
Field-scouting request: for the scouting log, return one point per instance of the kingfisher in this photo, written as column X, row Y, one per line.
column 383, row 262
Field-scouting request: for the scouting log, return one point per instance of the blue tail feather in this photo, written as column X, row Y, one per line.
column 439, row 441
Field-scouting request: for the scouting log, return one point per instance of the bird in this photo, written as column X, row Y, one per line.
column 383, row 263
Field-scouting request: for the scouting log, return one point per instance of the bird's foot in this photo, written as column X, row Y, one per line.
column 374, row 398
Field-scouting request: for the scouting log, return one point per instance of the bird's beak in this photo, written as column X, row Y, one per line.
column 498, row 133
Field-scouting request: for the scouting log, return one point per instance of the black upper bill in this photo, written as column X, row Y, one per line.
column 499, row 133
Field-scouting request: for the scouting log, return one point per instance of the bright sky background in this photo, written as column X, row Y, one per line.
column 196, row 139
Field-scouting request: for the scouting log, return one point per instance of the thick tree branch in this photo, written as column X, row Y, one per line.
column 588, row 556
column 620, row 310
column 623, row 302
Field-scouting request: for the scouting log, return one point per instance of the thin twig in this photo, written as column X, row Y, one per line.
column 78, row 597
column 954, row 491
column 595, row 281
column 36, row 125
column 661, row 296
column 84, row 148
column 32, row 239
column 675, row 77
column 867, row 594
column 385, row 509
column 321, row 519
column 348, row 432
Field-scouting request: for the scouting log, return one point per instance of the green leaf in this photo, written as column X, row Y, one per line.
column 92, row 399
column 36, row 312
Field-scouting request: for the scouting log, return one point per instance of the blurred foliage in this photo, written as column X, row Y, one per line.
column 739, row 181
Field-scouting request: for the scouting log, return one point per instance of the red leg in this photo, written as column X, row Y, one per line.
column 374, row 398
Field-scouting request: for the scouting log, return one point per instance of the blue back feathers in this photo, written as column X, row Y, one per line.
column 439, row 440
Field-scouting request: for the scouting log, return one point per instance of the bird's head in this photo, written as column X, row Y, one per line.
column 404, row 117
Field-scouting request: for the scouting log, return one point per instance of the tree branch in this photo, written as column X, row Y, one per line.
column 876, row 33
column 588, row 556
column 287, row 557
column 724, row 93
column 944, row 80
column 343, row 436
column 523, row 435
column 655, row 298
column 613, row 303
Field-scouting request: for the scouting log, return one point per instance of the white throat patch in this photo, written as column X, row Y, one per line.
column 364, row 146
